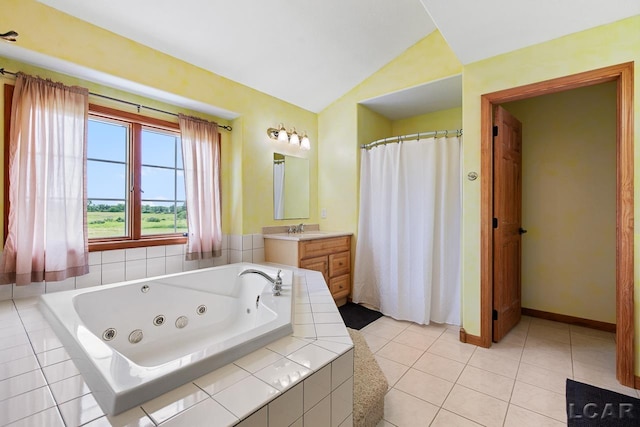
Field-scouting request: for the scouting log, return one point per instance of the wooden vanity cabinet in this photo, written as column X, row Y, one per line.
column 331, row 256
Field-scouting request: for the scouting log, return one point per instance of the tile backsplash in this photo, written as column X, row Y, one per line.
column 137, row 263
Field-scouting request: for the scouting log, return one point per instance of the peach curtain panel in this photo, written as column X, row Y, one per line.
column 201, row 158
column 47, row 230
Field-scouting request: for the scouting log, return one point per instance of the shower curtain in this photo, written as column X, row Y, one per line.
column 278, row 190
column 408, row 249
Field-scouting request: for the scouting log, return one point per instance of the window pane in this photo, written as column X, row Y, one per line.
column 180, row 185
column 158, row 148
column 106, row 218
column 158, row 183
column 106, row 180
column 179, row 155
column 107, row 141
column 163, row 218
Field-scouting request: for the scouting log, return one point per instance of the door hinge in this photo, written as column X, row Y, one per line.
column 495, row 222
column 494, row 314
column 495, row 131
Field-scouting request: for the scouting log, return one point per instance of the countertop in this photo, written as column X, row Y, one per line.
column 307, row 235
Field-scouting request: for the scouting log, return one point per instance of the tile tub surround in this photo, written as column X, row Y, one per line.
column 304, row 378
column 114, row 266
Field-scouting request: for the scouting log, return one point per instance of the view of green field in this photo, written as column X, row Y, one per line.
column 112, row 224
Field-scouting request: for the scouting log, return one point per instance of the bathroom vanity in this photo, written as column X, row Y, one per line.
column 324, row 251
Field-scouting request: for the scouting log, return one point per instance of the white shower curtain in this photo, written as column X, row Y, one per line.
column 408, row 250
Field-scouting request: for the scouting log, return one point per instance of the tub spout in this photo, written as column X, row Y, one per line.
column 276, row 284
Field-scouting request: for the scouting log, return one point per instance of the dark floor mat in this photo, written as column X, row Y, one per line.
column 593, row 406
column 356, row 316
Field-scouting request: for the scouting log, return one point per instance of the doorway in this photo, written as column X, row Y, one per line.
column 623, row 76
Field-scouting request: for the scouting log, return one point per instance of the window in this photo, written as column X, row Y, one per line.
column 135, row 181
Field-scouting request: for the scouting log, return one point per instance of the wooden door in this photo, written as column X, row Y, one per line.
column 507, row 226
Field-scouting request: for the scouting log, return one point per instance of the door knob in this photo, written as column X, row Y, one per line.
column 521, row 230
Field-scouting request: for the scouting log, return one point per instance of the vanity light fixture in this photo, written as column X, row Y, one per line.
column 292, row 137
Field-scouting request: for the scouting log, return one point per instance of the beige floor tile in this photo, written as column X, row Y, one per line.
column 536, row 399
column 486, row 382
column 476, row 406
column 550, row 323
column 424, row 386
column 515, row 337
column 494, row 362
column 402, row 409
column 439, row 366
column 374, row 342
column 520, row 417
column 382, row 330
column 393, row 371
column 384, row 423
column 504, row 349
column 549, row 333
column 542, row 377
column 433, row 329
column 400, row 353
column 591, row 343
column 451, row 335
column 457, row 351
column 415, row 339
column 557, row 359
column 581, row 331
column 390, row 321
column 449, row 419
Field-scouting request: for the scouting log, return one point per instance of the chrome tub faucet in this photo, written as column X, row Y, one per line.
column 276, row 284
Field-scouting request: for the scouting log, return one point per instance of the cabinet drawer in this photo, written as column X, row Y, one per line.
column 340, row 286
column 320, row 264
column 339, row 263
column 319, row 247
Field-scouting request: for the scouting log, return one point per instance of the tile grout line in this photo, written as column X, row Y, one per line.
column 46, row 380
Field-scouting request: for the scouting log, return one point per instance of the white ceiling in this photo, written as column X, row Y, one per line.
column 310, row 53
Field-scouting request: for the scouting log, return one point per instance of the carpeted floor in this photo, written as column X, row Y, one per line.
column 356, row 316
column 592, row 406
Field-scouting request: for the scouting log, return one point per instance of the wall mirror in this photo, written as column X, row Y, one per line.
column 290, row 187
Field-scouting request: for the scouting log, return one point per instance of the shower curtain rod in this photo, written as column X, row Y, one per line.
column 122, row 101
column 401, row 138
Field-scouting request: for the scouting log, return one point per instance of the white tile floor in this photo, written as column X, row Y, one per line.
column 435, row 380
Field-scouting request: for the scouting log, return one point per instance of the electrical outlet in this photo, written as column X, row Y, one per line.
column 323, row 213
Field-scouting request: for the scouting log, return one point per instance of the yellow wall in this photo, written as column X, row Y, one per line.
column 569, row 202
column 247, row 158
column 438, row 120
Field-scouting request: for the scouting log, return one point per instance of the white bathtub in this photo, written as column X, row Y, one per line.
column 240, row 316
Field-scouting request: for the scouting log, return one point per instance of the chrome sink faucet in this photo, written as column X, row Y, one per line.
column 276, row 284
column 296, row 228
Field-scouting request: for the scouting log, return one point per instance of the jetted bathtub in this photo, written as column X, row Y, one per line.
column 136, row 340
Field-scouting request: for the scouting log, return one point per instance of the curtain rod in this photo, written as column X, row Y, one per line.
column 133, row 104
column 401, row 138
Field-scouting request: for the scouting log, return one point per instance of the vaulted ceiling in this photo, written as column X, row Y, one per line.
column 310, row 53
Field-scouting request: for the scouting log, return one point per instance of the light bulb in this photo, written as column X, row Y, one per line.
column 282, row 133
column 305, row 144
column 294, row 139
